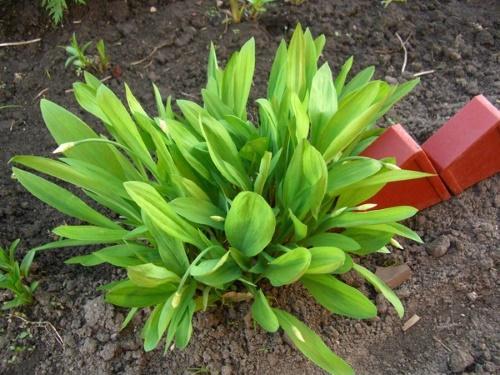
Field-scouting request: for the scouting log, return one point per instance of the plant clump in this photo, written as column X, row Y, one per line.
column 210, row 202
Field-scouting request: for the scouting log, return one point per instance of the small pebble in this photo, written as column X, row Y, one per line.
column 439, row 246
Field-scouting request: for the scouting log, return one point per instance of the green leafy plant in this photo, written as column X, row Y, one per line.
column 236, row 10
column 257, row 7
column 214, row 205
column 249, row 8
column 81, row 61
column 13, row 276
column 56, row 8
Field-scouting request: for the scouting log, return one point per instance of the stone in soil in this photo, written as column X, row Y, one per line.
column 460, row 360
column 439, row 246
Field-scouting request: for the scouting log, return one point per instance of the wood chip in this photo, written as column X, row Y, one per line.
column 411, row 322
column 394, row 276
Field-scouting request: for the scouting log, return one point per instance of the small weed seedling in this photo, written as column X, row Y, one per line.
column 257, row 7
column 213, row 205
column 56, row 8
column 79, row 58
column 249, row 9
column 13, row 276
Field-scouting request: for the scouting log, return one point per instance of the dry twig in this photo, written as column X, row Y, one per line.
column 150, row 55
column 42, row 324
column 425, row 72
column 405, row 60
column 12, row 44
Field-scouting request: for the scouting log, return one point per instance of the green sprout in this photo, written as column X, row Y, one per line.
column 81, row 61
column 56, row 8
column 13, row 276
column 213, row 205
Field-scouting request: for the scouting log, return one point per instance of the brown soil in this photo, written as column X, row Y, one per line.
column 455, row 295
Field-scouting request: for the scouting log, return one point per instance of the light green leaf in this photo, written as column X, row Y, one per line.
column 223, row 152
column 325, row 260
column 263, row 314
column 299, row 227
column 385, row 215
column 311, row 345
column 339, row 298
column 381, row 287
column 162, row 214
column 90, row 233
column 127, row 294
column 289, row 267
column 149, row 275
column 250, row 223
column 322, row 100
column 198, row 211
column 332, row 239
column 61, row 199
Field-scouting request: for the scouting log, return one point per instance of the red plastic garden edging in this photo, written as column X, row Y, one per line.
column 466, row 149
column 420, row 193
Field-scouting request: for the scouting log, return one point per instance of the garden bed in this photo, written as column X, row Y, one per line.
column 454, row 284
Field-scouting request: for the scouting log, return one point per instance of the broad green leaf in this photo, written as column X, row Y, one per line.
column 344, row 71
column 350, row 132
column 127, row 294
column 400, row 92
column 198, row 211
column 299, row 227
column 339, row 298
column 149, row 275
column 325, row 260
column 304, row 184
column 322, row 100
column 123, row 124
column 162, row 214
column 345, row 173
column 385, row 177
column 263, row 314
column 369, row 240
column 150, row 329
column 278, row 69
column 289, row 267
column 90, row 233
column 170, row 249
column 348, row 110
column 358, row 81
column 250, row 223
column 185, row 327
column 381, row 287
column 223, row 153
column 311, row 345
column 188, row 143
column 216, row 274
column 66, row 127
column 264, row 170
column 383, row 216
column 296, row 69
column 122, row 255
column 61, row 199
column 395, row 228
column 105, row 184
column 301, row 118
column 332, row 239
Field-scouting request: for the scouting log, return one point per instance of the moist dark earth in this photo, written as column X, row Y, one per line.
column 454, row 286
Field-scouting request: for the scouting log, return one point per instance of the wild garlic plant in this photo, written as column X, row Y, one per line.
column 210, row 203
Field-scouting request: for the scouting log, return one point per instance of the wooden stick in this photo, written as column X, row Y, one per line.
column 11, row 44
